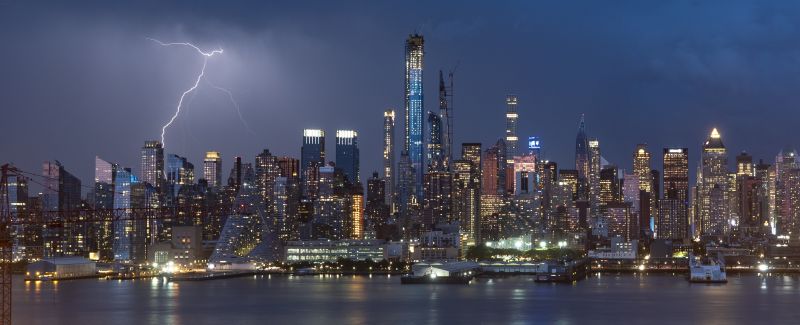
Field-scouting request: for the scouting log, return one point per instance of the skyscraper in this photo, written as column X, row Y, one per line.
column 312, row 157
column 152, row 167
column 61, row 192
column 641, row 167
column 466, row 198
column 673, row 217
column 347, row 154
column 511, row 128
column 179, row 172
column 437, row 199
column 744, row 165
column 267, row 170
column 785, row 164
column 414, row 101
column 212, row 169
column 312, row 153
column 490, row 182
column 123, row 226
column 389, row 158
column 593, row 177
column 712, row 191
column 582, row 159
column 435, row 148
column 445, row 112
column 235, row 177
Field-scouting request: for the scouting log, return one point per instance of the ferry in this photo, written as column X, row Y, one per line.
column 707, row 269
column 305, row 271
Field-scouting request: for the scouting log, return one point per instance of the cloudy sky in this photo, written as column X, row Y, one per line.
column 81, row 79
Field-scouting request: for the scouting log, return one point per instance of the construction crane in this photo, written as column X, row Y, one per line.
column 5, row 247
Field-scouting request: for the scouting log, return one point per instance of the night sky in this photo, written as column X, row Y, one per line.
column 81, row 79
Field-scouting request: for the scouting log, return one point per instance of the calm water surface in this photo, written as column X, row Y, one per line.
column 630, row 299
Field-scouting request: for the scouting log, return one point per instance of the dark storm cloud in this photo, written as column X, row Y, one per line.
column 80, row 79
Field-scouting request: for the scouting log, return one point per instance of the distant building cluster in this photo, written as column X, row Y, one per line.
column 431, row 202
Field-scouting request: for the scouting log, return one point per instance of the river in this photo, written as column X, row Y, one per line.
column 602, row 298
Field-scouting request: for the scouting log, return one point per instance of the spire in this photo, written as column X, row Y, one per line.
column 714, row 140
column 714, row 134
column 582, row 125
column 442, row 90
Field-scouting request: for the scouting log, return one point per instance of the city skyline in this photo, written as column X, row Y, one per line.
column 546, row 109
column 615, row 148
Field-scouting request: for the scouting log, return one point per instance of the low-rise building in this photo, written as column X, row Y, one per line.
column 619, row 250
column 325, row 250
column 61, row 268
column 184, row 251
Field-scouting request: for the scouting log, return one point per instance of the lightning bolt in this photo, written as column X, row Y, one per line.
column 206, row 56
column 235, row 105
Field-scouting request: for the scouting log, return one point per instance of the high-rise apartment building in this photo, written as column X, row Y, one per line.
column 152, row 165
column 212, row 169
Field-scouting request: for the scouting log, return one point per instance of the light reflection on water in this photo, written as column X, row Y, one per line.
column 364, row 300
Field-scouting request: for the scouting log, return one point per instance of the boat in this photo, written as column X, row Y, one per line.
column 433, row 279
column 305, row 271
column 707, row 269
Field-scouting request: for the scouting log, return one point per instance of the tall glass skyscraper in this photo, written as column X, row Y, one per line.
column 179, row 172
column 123, row 226
column 388, row 157
column 582, row 158
column 312, row 153
column 415, row 123
column 62, row 192
column 713, row 184
column 511, row 128
column 347, row 155
column 435, row 147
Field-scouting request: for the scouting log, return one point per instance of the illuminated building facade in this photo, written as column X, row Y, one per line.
column 593, row 178
column 525, row 176
column 437, row 200
column 414, row 106
column 312, row 157
column 712, row 187
column 152, row 164
column 570, row 177
column 357, row 216
column 466, row 198
column 267, row 170
column 436, row 161
column 389, row 158
column 673, row 217
column 511, row 128
column 212, row 169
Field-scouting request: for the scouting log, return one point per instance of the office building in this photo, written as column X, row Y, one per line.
column 347, row 155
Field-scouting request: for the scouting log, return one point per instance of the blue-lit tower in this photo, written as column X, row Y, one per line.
column 414, row 109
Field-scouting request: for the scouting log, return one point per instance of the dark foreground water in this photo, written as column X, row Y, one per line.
column 627, row 298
